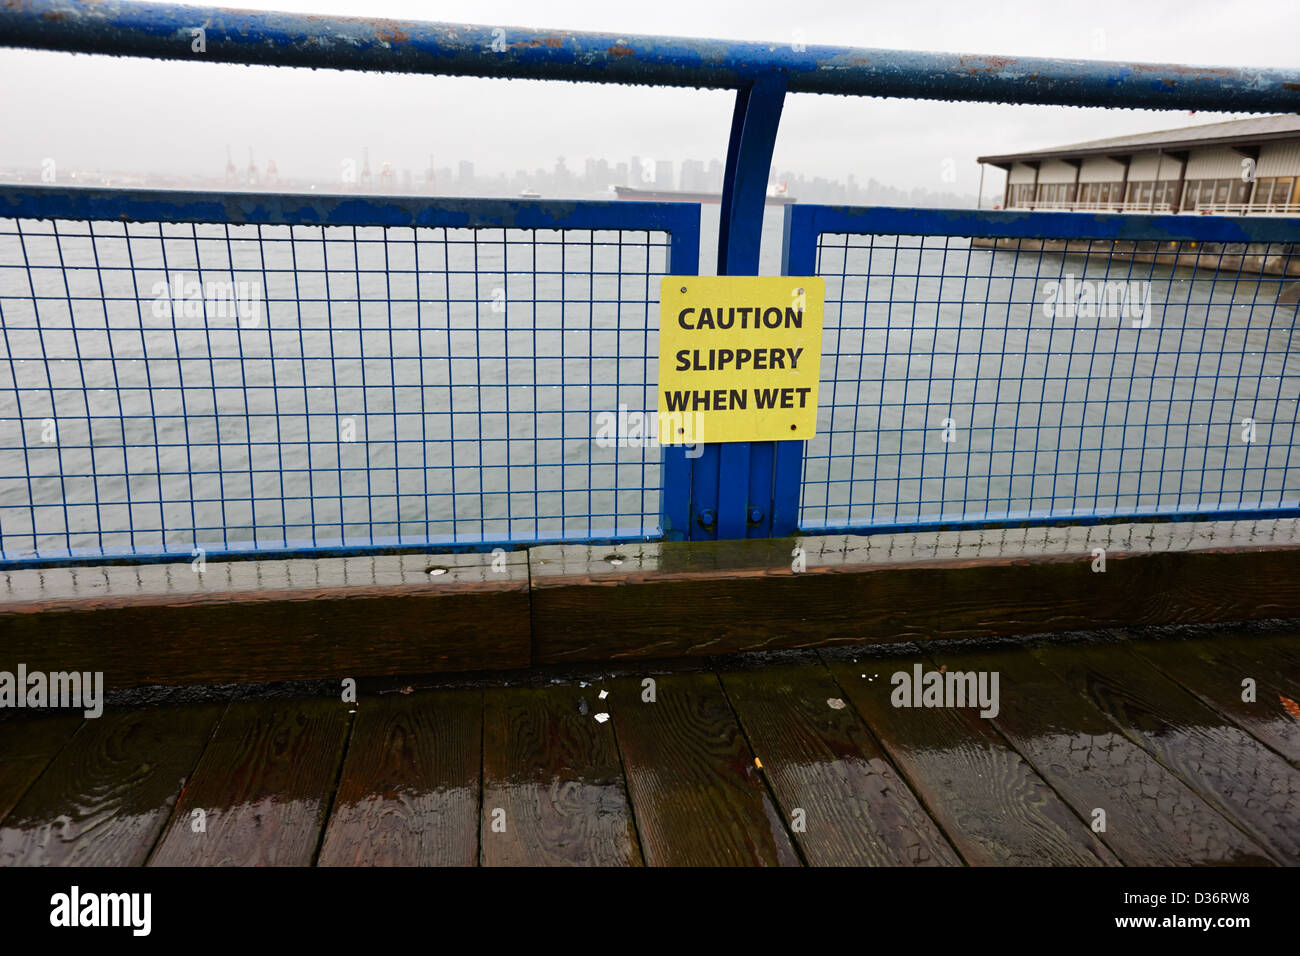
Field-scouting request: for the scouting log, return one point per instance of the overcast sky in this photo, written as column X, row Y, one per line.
column 180, row 116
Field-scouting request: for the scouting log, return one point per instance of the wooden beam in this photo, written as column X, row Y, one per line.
column 261, row 621
column 677, row 599
column 330, row 619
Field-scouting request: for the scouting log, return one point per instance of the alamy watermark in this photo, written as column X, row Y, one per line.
column 630, row 429
column 946, row 689
column 77, row 908
column 182, row 296
column 1117, row 300
column 59, row 689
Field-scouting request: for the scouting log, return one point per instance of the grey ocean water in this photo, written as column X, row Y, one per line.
column 385, row 391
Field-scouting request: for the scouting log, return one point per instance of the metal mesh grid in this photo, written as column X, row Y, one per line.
column 959, row 385
column 172, row 386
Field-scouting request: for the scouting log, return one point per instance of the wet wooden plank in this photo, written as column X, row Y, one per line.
column 696, row 794
column 1230, row 769
column 1286, row 650
column 27, row 745
column 409, row 793
column 263, row 785
column 555, row 773
column 821, row 760
column 105, row 798
column 1151, row 817
column 270, row 620
column 990, row 802
column 1214, row 669
column 670, row 599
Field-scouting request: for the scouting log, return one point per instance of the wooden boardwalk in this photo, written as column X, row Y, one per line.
column 1109, row 753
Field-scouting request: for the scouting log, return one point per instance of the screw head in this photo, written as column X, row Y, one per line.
column 755, row 515
column 708, row 518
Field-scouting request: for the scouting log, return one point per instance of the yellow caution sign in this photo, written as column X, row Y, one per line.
column 739, row 358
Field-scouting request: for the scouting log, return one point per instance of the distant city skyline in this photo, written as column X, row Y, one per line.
column 596, row 178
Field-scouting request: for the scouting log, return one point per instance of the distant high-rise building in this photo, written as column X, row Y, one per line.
column 715, row 176
column 465, row 173
column 596, row 174
column 664, row 174
column 365, row 166
column 693, row 178
column 642, row 172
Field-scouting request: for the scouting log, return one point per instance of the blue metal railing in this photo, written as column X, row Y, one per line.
column 343, row 424
column 166, row 31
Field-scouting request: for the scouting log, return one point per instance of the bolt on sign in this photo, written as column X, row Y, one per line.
column 739, row 358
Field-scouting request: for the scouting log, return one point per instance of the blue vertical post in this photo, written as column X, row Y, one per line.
column 738, row 489
column 675, row 467
column 798, row 258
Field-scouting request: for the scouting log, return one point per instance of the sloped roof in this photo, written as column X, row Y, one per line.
column 1255, row 129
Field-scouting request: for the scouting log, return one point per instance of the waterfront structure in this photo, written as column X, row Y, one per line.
column 1239, row 167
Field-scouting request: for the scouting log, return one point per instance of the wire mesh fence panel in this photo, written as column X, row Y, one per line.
column 1006, row 379
column 172, row 386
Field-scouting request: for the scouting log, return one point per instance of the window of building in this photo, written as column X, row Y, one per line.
column 1022, row 194
column 1204, row 192
column 1055, row 193
column 1099, row 193
column 1273, row 190
column 1156, row 194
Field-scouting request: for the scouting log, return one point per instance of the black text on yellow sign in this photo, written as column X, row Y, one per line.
column 739, row 358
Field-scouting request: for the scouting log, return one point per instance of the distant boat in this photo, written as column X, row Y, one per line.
column 529, row 194
column 677, row 195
